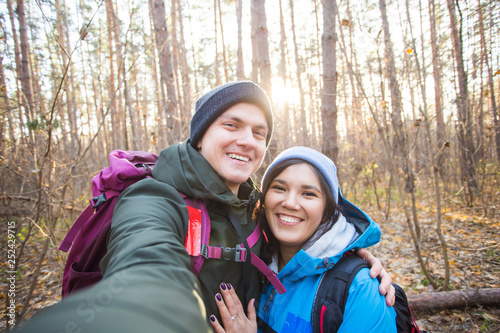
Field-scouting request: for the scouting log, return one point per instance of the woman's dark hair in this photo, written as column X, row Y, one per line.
column 330, row 215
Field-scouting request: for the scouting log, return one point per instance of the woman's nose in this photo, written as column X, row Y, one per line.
column 290, row 202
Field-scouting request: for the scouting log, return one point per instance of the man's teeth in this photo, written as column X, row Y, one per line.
column 289, row 219
column 238, row 157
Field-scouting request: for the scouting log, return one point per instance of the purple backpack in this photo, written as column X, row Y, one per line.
column 87, row 237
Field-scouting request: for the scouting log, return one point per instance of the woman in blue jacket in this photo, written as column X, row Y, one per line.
column 309, row 226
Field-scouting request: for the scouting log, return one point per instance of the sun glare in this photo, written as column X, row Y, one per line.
column 283, row 94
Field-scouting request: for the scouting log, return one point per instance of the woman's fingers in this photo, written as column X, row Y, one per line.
column 231, row 300
column 232, row 315
column 215, row 324
column 252, row 315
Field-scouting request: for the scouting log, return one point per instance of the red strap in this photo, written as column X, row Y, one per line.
column 75, row 229
column 261, row 266
column 254, row 237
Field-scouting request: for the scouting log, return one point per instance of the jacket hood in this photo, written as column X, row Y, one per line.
column 182, row 167
column 353, row 230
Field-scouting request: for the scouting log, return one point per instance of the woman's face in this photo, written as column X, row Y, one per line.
column 294, row 206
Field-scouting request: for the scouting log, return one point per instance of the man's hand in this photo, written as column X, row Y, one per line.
column 376, row 269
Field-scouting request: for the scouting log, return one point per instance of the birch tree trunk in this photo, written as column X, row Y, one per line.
column 329, row 92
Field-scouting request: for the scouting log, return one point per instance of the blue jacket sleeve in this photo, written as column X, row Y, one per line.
column 365, row 310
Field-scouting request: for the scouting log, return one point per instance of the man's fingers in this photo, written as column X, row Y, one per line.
column 390, row 298
column 374, row 263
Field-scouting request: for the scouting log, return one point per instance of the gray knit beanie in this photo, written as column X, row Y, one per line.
column 215, row 102
column 320, row 161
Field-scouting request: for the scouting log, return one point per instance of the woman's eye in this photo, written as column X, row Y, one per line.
column 310, row 194
column 278, row 188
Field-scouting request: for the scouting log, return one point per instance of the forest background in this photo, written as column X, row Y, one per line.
column 402, row 95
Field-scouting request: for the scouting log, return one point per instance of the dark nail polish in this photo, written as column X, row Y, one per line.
column 219, row 297
column 212, row 318
column 223, row 286
column 229, row 286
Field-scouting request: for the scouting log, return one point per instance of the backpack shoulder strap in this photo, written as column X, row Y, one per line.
column 333, row 290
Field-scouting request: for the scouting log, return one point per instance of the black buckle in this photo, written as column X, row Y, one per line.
column 204, row 251
column 99, row 200
column 231, row 253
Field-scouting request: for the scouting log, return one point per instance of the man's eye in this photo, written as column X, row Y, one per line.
column 260, row 134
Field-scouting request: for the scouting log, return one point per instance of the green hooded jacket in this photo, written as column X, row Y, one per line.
column 148, row 285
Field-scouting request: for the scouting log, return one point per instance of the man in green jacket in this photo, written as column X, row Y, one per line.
column 147, row 283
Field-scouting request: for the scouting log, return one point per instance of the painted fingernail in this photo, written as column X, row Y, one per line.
column 212, row 318
column 229, row 286
column 219, row 297
column 223, row 286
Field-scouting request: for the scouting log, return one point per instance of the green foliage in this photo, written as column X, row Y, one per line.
column 43, row 124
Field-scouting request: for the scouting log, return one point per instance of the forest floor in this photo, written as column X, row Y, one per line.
column 473, row 241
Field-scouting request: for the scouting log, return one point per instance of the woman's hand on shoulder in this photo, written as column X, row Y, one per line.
column 232, row 314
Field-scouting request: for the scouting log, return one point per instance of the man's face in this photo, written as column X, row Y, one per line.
column 235, row 143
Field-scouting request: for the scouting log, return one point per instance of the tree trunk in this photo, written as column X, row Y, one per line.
column 175, row 70
column 260, row 47
column 19, row 70
column 240, row 66
column 25, row 63
column 165, row 61
column 491, row 85
column 63, row 51
column 438, row 91
column 329, row 92
column 455, row 299
column 304, row 134
column 6, row 99
column 466, row 147
column 284, row 78
column 224, row 58
column 115, row 118
column 396, row 103
column 216, row 37
column 185, row 75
